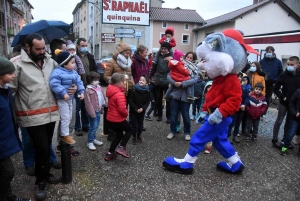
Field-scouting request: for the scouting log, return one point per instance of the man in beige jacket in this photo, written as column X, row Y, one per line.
column 35, row 105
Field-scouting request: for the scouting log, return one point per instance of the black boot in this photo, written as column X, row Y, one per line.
column 41, row 192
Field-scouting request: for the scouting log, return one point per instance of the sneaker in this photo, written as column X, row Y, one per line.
column 139, row 139
column 53, row 180
column 122, row 151
column 207, row 150
column 15, row 198
column 192, row 117
column 30, row 171
column 91, row 146
column 103, row 134
column 74, row 152
column 56, row 165
column 97, row 142
column 67, row 139
column 134, row 140
column 40, row 194
column 110, row 156
column 79, row 133
column 187, row 137
column 147, row 117
column 238, row 135
column 236, row 139
column 144, row 129
column 170, row 136
column 296, row 140
column 247, row 139
column 283, row 151
column 264, row 118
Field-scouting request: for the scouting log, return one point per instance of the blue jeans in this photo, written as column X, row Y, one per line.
column 28, row 151
column 292, row 131
column 94, row 124
column 80, row 118
column 176, row 106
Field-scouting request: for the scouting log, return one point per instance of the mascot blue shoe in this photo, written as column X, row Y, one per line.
column 228, row 167
column 178, row 165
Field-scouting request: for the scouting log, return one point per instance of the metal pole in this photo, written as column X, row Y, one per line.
column 100, row 32
column 66, row 163
column 6, row 30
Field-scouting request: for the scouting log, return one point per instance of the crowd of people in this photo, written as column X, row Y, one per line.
column 38, row 89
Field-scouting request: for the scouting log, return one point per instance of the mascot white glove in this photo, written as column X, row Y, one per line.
column 201, row 117
column 215, row 117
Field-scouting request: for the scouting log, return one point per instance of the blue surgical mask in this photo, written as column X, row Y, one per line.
column 269, row 55
column 252, row 69
column 83, row 49
column 290, row 68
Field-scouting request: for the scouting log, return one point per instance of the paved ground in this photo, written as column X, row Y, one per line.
column 268, row 175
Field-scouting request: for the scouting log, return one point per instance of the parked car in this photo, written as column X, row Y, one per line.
column 101, row 65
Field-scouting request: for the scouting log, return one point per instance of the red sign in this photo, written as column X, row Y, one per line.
column 108, row 38
column 273, row 39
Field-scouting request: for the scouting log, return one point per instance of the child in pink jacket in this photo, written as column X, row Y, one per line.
column 94, row 102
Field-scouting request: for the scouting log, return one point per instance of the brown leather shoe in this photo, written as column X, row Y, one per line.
column 67, row 139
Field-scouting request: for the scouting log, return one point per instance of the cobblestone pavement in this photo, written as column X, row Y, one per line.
column 268, row 175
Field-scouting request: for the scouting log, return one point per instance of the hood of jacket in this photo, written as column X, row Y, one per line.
column 170, row 29
column 208, row 84
column 248, row 79
column 112, row 90
column 120, row 48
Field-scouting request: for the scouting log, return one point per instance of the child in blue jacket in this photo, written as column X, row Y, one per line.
column 62, row 77
column 9, row 139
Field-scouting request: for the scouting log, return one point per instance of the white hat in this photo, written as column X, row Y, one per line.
column 71, row 46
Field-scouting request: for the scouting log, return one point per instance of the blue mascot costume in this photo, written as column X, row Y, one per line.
column 224, row 55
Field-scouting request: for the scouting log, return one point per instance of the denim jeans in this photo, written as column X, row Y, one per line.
column 151, row 108
column 28, row 151
column 184, row 107
column 252, row 124
column 94, row 124
column 81, row 119
column 196, row 106
column 292, row 131
column 7, row 172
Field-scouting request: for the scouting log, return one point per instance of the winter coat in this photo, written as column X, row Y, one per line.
column 246, row 89
column 152, row 91
column 61, row 79
column 256, row 106
column 160, row 70
column 34, row 102
column 172, row 41
column 199, row 88
column 9, row 137
column 294, row 105
column 92, row 63
column 79, row 65
column 117, row 103
column 286, row 86
column 272, row 67
column 225, row 95
column 255, row 78
column 177, row 71
column 139, row 67
column 138, row 99
column 180, row 93
column 92, row 102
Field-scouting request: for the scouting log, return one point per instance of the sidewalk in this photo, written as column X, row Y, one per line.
column 268, row 175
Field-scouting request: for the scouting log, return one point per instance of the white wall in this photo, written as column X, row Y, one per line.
column 270, row 18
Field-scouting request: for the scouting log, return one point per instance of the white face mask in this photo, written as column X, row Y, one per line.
column 252, row 68
column 290, row 68
column 95, row 83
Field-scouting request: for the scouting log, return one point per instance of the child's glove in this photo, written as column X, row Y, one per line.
column 201, row 117
column 168, row 40
column 215, row 117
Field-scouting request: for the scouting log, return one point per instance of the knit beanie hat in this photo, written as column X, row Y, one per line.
column 6, row 66
column 70, row 45
column 166, row 45
column 177, row 55
column 122, row 47
column 63, row 56
column 169, row 32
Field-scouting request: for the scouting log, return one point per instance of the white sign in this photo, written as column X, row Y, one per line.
column 138, row 34
column 135, row 12
column 124, row 31
column 124, row 36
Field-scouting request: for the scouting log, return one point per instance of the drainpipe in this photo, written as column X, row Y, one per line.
column 6, row 30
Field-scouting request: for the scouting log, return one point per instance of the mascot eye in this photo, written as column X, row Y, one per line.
column 213, row 45
column 200, row 44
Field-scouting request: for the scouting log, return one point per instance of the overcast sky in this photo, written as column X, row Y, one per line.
column 62, row 10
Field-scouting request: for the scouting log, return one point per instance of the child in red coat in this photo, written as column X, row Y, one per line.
column 116, row 116
column 179, row 73
column 256, row 107
column 168, row 37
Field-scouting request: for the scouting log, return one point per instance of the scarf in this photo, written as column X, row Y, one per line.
column 191, row 67
column 142, row 89
column 123, row 62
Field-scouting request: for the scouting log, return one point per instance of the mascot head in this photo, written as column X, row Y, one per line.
column 223, row 53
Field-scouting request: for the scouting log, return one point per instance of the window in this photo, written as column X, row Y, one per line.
column 91, row 16
column 185, row 39
column 92, row 30
column 164, row 24
column 161, row 34
column 186, row 26
column 96, row 28
column 84, row 16
column 84, row 33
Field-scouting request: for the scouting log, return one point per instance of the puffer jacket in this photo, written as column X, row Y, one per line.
column 34, row 102
column 164, row 38
column 160, row 70
column 61, row 79
column 91, row 101
column 178, row 72
column 9, row 138
column 294, row 105
column 117, row 111
column 255, row 78
column 139, row 67
column 256, row 106
column 272, row 67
